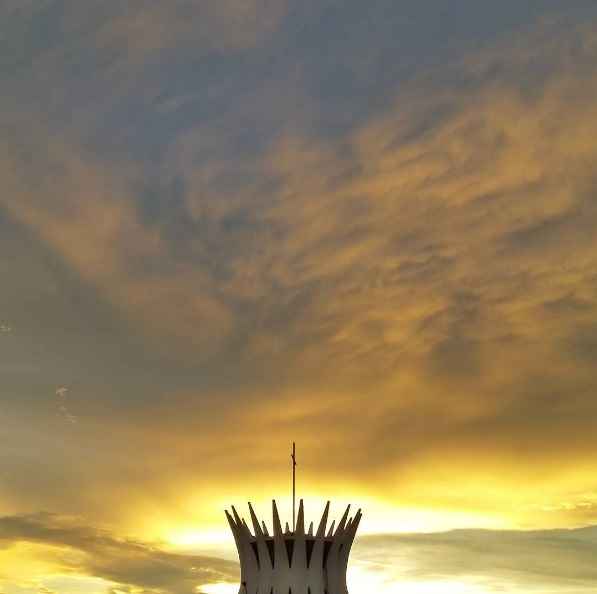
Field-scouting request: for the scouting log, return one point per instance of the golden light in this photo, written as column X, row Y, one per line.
column 379, row 518
column 374, row 577
column 218, row 588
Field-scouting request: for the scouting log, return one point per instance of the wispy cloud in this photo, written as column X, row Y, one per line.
column 426, row 265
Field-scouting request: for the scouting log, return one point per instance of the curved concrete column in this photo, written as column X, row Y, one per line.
column 293, row 562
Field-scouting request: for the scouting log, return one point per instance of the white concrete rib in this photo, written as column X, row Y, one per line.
column 282, row 564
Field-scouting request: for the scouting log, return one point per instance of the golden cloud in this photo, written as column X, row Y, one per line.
column 48, row 547
column 79, row 207
column 422, row 289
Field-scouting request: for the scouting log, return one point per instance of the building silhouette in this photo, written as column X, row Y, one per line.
column 293, row 561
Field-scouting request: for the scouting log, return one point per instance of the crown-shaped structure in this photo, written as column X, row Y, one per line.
column 293, row 562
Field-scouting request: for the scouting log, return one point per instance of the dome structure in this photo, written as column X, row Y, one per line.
column 293, row 561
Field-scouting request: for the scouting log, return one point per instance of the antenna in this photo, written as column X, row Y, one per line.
column 293, row 456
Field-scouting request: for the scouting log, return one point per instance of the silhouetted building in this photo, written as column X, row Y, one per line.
column 293, row 561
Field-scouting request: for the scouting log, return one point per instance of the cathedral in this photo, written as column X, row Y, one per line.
column 293, row 561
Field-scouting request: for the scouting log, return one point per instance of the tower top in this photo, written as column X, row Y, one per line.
column 293, row 561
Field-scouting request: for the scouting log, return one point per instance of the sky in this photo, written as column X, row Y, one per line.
column 368, row 227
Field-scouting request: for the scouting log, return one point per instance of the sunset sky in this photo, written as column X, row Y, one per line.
column 369, row 227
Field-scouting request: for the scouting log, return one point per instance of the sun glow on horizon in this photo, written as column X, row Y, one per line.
column 378, row 518
column 190, row 537
column 364, row 577
column 218, row 588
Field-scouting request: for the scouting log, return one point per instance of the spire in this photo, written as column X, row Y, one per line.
column 293, row 456
column 293, row 561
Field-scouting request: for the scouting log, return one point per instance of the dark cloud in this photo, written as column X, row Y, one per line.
column 554, row 561
column 583, row 343
column 126, row 563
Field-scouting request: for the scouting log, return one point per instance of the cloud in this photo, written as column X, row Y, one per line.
column 212, row 26
column 554, row 561
column 421, row 253
column 427, row 268
column 545, row 560
column 98, row 234
column 86, row 551
column 143, row 31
